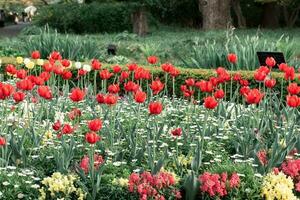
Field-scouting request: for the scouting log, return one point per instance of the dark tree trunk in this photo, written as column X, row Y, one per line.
column 140, row 24
column 290, row 16
column 216, row 13
column 236, row 5
column 271, row 15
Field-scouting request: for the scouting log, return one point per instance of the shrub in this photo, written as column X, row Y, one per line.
column 86, row 18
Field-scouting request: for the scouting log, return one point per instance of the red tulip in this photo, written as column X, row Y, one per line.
column 237, row 77
column 283, row 66
column 81, row 72
column 293, row 101
column 92, row 137
column 190, row 82
column 95, row 125
column 66, row 75
column 11, row 69
column 219, row 94
column 55, row 56
column 270, row 83
column 232, row 58
column 289, row 73
column 205, row 86
column 48, row 67
column 152, row 60
column 25, row 84
column 260, row 76
column 58, row 70
column 65, row 62
column 67, row 129
column 18, row 96
column 210, row 102
column 156, row 86
column 174, row 72
column 96, row 65
column 293, row 89
column 270, row 61
column 21, row 74
column 77, row 95
column 6, row 90
column 105, row 74
column 244, row 82
column 176, row 132
column 56, row 126
column 45, row 92
column 155, row 108
column 114, row 88
column 111, row 99
column 38, row 80
column 124, row 75
column 132, row 67
column 244, row 90
column 35, row 55
column 100, row 98
column 116, row 69
column 167, row 67
column 2, row 141
column 254, row 96
column 141, row 73
column 140, row 96
column 45, row 76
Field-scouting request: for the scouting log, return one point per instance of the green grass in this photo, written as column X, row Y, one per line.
column 180, row 46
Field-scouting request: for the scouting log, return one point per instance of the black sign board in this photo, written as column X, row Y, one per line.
column 278, row 56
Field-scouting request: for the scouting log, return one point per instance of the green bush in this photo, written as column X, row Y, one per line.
column 86, row 18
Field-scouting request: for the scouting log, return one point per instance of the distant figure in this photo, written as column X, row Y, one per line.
column 2, row 18
column 24, row 15
column 112, row 49
column 30, row 11
column 16, row 18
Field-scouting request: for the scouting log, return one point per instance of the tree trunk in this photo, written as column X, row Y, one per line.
column 236, row 4
column 290, row 17
column 140, row 25
column 216, row 13
column 271, row 15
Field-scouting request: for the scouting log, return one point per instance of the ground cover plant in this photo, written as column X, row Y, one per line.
column 77, row 130
column 184, row 47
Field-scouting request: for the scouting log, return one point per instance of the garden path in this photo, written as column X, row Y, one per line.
column 12, row 30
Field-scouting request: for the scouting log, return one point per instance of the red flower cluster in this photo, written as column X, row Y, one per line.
column 262, row 157
column 153, row 186
column 170, row 69
column 109, row 99
column 218, row 184
column 85, row 162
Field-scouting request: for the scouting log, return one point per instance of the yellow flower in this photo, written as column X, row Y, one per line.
column 40, row 62
column 121, row 182
column 279, row 187
column 19, row 60
column 30, row 65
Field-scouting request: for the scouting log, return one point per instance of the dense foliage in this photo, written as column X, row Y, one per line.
column 86, row 18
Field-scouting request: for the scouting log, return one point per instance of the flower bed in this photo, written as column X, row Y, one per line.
column 123, row 134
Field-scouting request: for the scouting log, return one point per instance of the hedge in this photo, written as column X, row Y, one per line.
column 86, row 18
column 197, row 74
